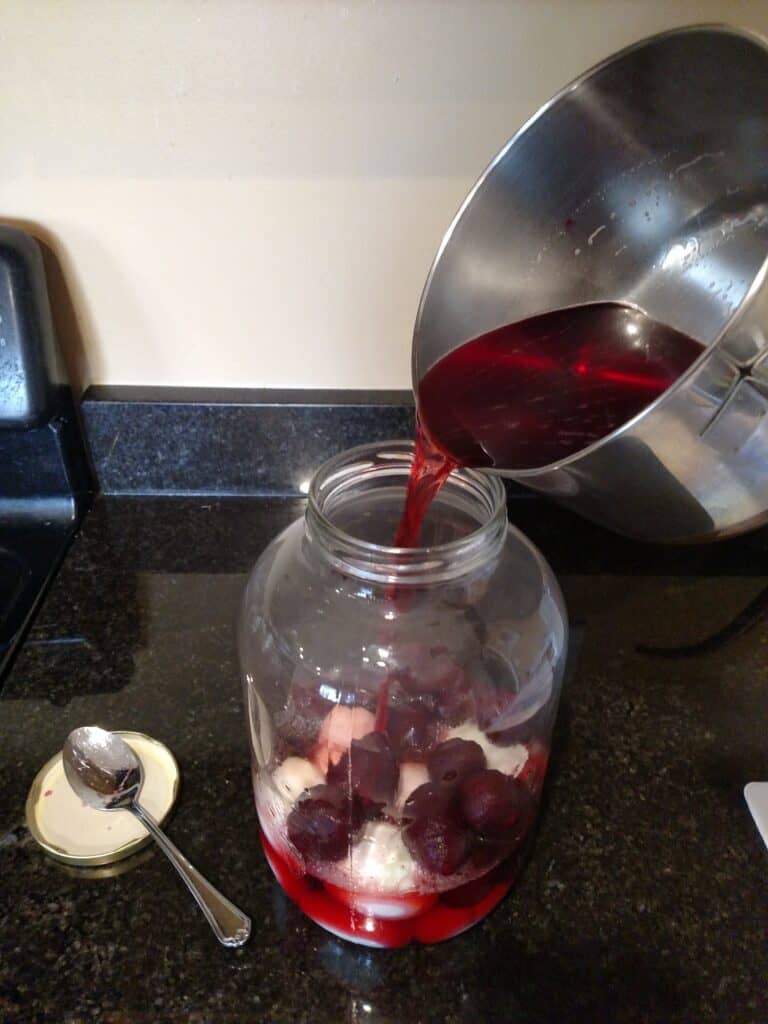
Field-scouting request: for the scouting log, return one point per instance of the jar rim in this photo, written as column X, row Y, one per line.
column 389, row 563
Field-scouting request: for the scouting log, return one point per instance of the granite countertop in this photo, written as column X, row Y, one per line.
column 646, row 897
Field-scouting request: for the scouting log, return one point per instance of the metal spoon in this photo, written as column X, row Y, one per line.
column 106, row 774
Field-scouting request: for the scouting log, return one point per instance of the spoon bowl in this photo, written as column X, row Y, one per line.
column 102, row 768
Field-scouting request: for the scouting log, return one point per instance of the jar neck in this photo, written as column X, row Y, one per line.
column 362, row 471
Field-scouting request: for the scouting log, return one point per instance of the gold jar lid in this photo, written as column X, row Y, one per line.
column 70, row 831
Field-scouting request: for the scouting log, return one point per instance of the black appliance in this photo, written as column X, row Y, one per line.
column 45, row 479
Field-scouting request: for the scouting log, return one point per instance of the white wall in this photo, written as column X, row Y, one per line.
column 250, row 193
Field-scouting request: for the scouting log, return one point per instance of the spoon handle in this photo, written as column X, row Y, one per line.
column 231, row 926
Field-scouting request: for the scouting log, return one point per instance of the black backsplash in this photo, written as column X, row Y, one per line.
column 230, row 442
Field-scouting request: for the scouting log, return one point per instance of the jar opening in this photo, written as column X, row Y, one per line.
column 356, row 500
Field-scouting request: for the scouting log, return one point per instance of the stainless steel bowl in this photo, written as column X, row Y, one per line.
column 646, row 182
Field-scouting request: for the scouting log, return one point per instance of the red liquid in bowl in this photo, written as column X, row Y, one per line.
column 534, row 392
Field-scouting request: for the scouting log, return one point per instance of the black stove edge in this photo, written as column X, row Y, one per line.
column 42, row 557
column 47, row 482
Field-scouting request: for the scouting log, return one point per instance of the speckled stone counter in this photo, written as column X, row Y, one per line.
column 646, row 896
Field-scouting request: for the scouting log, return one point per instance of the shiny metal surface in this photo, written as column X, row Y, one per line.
column 106, row 774
column 645, row 182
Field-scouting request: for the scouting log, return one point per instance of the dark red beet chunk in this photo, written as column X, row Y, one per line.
column 435, row 834
column 322, row 823
column 299, row 724
column 412, row 731
column 370, row 771
column 430, row 798
column 470, row 893
column 488, row 851
column 454, row 760
column 439, row 842
column 411, row 722
column 495, row 804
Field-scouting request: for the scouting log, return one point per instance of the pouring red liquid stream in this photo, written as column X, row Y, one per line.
column 534, row 392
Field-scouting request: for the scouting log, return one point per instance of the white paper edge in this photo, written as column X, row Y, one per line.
column 753, row 791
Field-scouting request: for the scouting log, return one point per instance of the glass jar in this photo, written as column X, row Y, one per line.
column 400, row 701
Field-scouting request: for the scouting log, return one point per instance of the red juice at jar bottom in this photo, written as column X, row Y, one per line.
column 443, row 915
column 534, row 392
